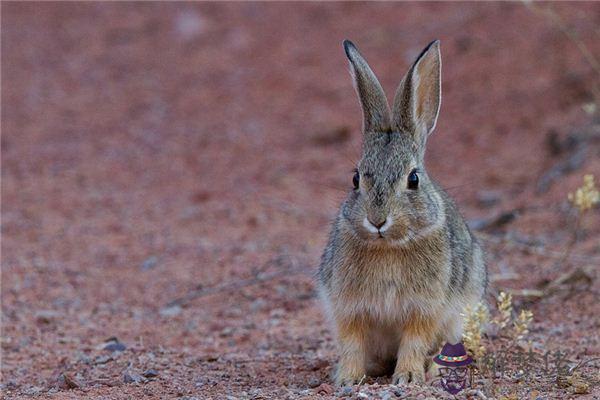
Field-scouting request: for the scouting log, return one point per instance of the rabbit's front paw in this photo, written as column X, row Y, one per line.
column 349, row 374
column 404, row 377
column 346, row 378
column 433, row 372
column 346, row 381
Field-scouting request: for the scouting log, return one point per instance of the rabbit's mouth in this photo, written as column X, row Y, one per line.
column 397, row 235
column 382, row 238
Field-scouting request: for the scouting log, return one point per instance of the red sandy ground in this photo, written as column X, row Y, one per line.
column 151, row 149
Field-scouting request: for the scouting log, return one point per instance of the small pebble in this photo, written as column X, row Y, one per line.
column 170, row 311
column 313, row 382
column 113, row 344
column 150, row 373
column 318, row 364
column 132, row 378
column 324, row 388
column 149, row 263
column 33, row 390
column 488, row 198
column 226, row 332
column 46, row 316
column 66, row 381
column 102, row 359
column 347, row 391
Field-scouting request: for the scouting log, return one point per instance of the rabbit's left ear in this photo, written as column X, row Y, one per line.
column 418, row 98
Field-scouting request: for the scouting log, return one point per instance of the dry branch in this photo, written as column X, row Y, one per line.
column 288, row 270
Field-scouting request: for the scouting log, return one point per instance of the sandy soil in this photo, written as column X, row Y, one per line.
column 169, row 172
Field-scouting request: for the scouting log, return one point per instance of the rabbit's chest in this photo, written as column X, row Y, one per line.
column 390, row 293
column 390, row 301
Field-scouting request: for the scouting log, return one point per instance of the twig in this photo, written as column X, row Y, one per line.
column 572, row 35
column 496, row 221
column 570, row 278
column 528, row 293
column 554, row 18
column 236, row 285
column 362, row 380
column 541, row 251
column 572, row 242
column 508, row 276
column 581, row 364
column 564, row 167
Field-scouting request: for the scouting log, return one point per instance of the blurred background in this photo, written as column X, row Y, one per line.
column 170, row 170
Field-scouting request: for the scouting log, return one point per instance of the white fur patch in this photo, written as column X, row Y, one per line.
column 388, row 223
column 369, row 226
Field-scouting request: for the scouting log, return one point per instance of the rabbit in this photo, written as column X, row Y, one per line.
column 401, row 265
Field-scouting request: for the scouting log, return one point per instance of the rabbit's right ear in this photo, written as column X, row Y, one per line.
column 376, row 112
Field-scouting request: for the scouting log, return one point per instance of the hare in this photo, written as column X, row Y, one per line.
column 401, row 264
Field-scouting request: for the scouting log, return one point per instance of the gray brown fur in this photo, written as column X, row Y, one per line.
column 395, row 295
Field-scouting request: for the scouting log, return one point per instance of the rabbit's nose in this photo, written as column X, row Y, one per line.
column 378, row 226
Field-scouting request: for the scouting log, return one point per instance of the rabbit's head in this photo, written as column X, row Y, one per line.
column 393, row 200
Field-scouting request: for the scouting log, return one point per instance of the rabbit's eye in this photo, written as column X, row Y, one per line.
column 413, row 180
column 355, row 180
